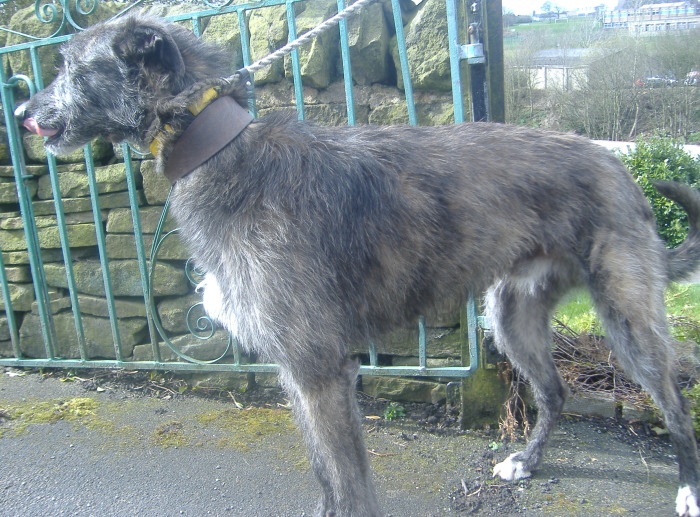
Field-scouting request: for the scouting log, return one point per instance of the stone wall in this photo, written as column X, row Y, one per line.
column 379, row 99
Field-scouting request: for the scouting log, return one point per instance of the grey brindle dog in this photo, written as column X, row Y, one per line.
column 315, row 238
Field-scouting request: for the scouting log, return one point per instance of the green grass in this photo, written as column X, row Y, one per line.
column 577, row 313
column 682, row 304
column 549, row 34
column 558, row 27
column 684, row 300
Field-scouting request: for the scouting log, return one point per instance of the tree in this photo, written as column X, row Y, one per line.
column 523, row 99
column 558, row 10
column 547, row 8
column 604, row 102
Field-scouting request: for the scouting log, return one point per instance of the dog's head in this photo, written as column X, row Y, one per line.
column 112, row 76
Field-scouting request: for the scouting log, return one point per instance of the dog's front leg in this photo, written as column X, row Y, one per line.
column 327, row 414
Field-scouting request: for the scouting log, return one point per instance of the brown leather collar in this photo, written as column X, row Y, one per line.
column 211, row 130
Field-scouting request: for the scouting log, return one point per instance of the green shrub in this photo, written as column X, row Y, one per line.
column 658, row 158
column 394, row 411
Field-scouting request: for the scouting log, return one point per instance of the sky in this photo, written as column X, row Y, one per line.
column 527, row 6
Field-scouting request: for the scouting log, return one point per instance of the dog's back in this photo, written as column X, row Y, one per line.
column 398, row 212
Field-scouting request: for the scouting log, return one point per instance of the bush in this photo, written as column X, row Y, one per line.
column 394, row 411
column 659, row 158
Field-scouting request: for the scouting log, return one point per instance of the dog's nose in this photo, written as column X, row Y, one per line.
column 20, row 111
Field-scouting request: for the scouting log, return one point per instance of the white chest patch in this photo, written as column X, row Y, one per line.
column 215, row 303
column 686, row 503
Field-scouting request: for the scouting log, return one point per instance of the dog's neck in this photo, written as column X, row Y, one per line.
column 218, row 120
column 196, row 107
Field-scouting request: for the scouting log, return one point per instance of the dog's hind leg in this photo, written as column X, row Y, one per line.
column 630, row 302
column 520, row 310
column 326, row 410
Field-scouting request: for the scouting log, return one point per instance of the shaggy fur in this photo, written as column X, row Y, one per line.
column 314, row 238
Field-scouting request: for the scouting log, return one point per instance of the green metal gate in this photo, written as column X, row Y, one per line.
column 22, row 351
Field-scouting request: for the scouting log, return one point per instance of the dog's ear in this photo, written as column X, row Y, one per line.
column 150, row 46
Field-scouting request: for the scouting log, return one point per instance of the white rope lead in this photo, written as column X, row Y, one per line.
column 289, row 47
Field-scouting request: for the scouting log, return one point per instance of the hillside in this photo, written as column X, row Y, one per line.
column 625, row 86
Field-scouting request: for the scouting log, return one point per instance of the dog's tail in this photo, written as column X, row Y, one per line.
column 684, row 259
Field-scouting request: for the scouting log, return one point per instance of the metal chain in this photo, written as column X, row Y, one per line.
column 293, row 45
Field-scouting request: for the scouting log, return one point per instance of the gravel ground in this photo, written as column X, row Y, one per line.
column 135, row 449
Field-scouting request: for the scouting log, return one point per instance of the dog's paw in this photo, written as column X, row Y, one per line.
column 511, row 469
column 687, row 503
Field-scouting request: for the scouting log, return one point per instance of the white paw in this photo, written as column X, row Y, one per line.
column 686, row 503
column 510, row 470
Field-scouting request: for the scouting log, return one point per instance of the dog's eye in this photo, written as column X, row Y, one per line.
column 62, row 68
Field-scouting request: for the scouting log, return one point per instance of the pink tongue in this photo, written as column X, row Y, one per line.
column 32, row 126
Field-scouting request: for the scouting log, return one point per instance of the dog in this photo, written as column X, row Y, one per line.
column 314, row 238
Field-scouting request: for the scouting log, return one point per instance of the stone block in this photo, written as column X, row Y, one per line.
column 437, row 113
column 58, row 302
column 4, row 146
column 368, row 38
column 21, row 297
column 4, row 329
column 84, row 204
column 427, row 49
column 156, row 187
column 14, row 258
column 125, row 275
column 79, row 235
column 75, row 184
column 18, row 274
column 442, row 342
column 404, row 389
column 8, row 190
column 317, row 58
column 98, row 337
column 125, row 307
column 224, row 31
column 335, row 114
column 7, row 171
column 239, row 382
column 123, row 246
column 120, row 220
column 173, row 313
column 188, row 345
column 34, row 147
column 268, row 32
column 6, row 349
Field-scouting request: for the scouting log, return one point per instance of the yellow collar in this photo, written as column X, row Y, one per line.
column 195, row 108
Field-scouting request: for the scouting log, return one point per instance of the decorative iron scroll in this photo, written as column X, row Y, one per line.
column 65, row 13
column 62, row 12
column 48, row 12
column 199, row 324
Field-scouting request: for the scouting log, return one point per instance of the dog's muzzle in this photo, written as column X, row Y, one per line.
column 31, row 124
